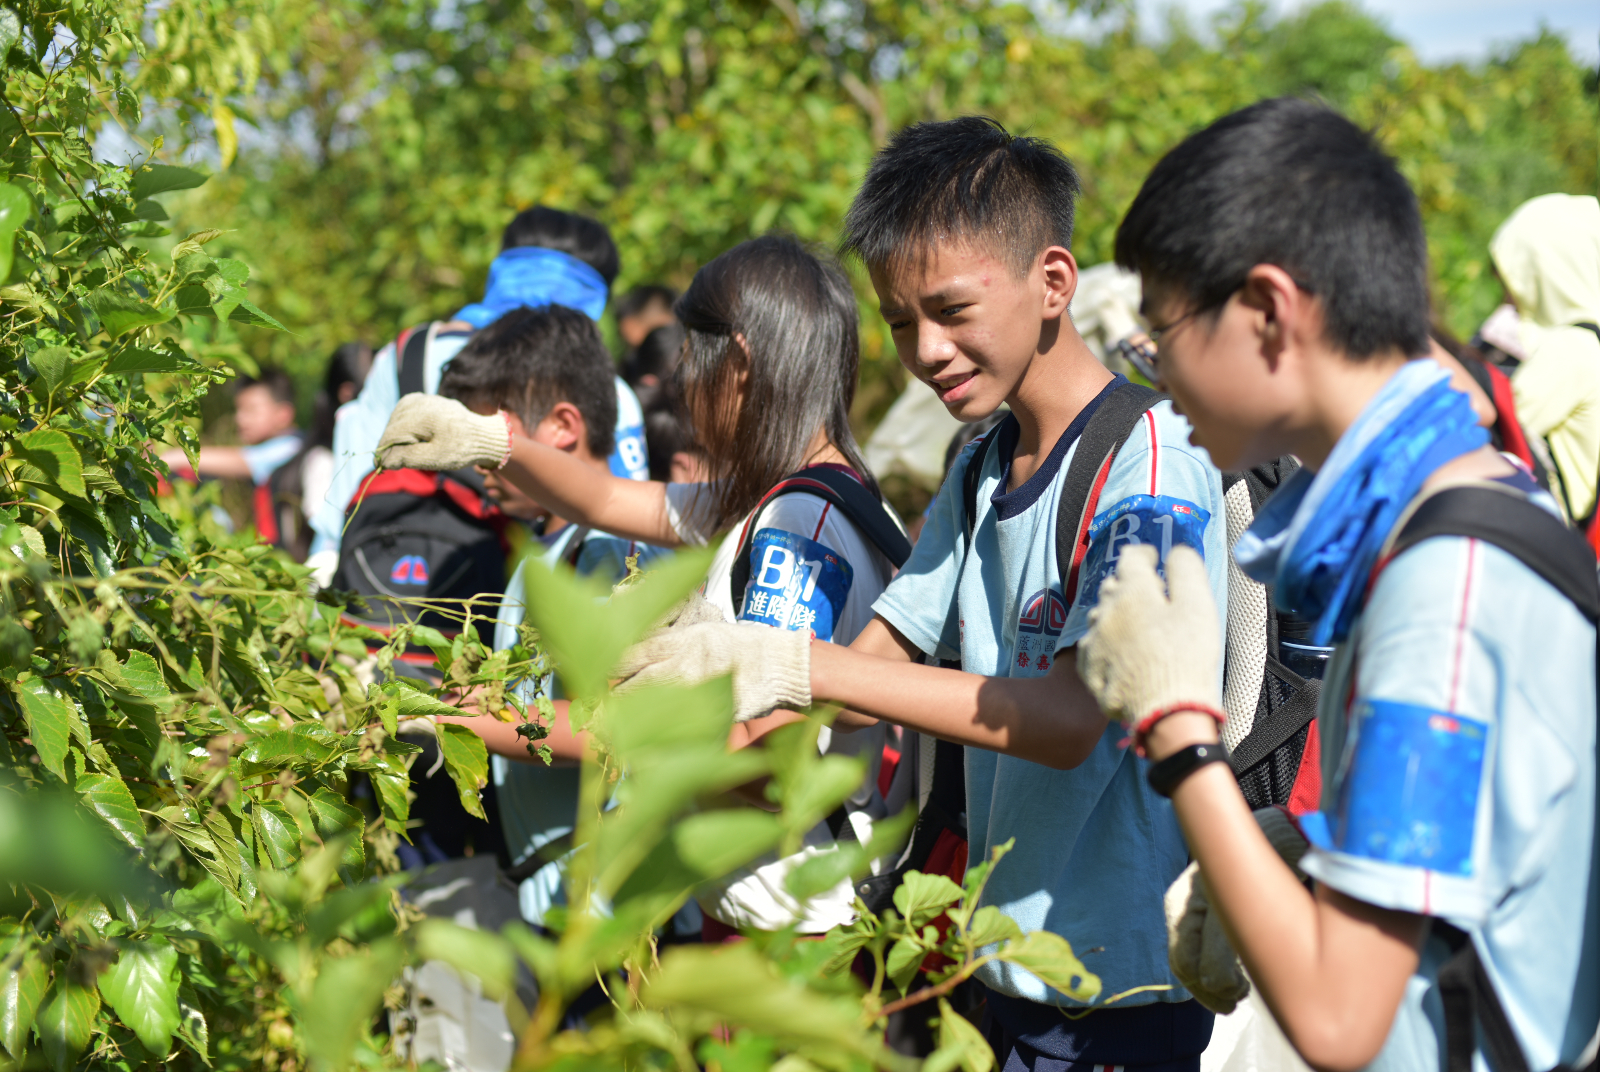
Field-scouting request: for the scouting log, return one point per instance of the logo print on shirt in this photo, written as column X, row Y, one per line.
column 1044, row 612
column 1043, row 616
column 795, row 583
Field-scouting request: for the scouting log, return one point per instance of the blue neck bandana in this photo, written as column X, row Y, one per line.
column 1318, row 538
column 534, row 276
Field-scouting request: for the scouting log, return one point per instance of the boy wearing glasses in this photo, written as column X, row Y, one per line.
column 1455, row 922
column 966, row 232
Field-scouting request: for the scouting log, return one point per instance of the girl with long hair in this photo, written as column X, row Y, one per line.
column 767, row 374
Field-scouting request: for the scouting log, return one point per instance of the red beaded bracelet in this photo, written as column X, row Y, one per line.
column 1147, row 723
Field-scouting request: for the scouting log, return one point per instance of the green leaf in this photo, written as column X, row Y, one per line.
column 849, row 858
column 10, row 30
column 989, row 925
column 584, row 632
column 716, row 842
column 142, row 674
column 50, row 721
column 905, row 957
column 334, row 818
column 960, row 1045
column 67, row 1021
column 160, row 178
column 304, row 746
column 825, row 786
column 737, row 986
column 21, row 991
column 919, row 897
column 194, row 1031
column 49, row 460
column 143, row 989
column 466, row 760
column 244, row 311
column 109, row 797
column 134, row 361
column 277, row 834
column 1050, row 957
column 343, row 999
column 15, row 206
column 469, row 951
column 53, row 363
column 841, row 944
column 392, row 799
column 120, row 314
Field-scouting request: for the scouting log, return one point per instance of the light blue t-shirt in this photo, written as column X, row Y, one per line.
column 1095, row 849
column 359, row 425
column 538, row 803
column 268, row 456
column 1458, row 735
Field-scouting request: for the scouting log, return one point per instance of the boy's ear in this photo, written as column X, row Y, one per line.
column 568, row 429
column 1286, row 313
column 1060, row 270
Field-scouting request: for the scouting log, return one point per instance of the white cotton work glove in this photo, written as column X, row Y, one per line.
column 1197, row 949
column 1154, row 647
column 693, row 609
column 771, row 668
column 440, row 434
column 323, row 565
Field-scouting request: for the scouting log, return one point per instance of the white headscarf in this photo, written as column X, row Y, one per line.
column 1548, row 255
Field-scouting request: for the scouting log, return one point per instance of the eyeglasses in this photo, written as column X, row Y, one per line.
column 1157, row 334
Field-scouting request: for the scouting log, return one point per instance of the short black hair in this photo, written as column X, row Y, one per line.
column 532, row 358
column 964, row 179
column 1295, row 184
column 642, row 297
column 566, row 232
column 275, row 380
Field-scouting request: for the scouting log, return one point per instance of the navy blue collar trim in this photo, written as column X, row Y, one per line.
column 1008, row 504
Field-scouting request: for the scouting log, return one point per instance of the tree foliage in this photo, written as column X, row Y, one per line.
column 189, row 876
column 392, row 142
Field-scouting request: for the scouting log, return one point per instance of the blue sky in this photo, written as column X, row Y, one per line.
column 1455, row 29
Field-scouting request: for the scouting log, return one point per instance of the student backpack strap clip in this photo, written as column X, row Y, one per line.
column 842, row 488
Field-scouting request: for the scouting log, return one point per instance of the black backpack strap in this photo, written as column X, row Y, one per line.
column 1508, row 520
column 972, row 476
column 945, row 809
column 1562, row 558
column 411, row 359
column 1268, row 735
column 849, row 495
column 1097, row 448
column 1471, row 1006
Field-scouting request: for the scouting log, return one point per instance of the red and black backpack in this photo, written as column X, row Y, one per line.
column 412, row 534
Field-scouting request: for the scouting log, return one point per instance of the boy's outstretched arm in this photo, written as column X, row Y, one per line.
column 501, row 737
column 435, row 433
column 1332, row 969
column 1051, row 720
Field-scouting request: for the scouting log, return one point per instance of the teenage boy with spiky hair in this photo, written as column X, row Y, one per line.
column 966, row 231
column 1455, row 921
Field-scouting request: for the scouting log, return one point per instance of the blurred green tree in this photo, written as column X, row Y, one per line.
column 388, row 144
